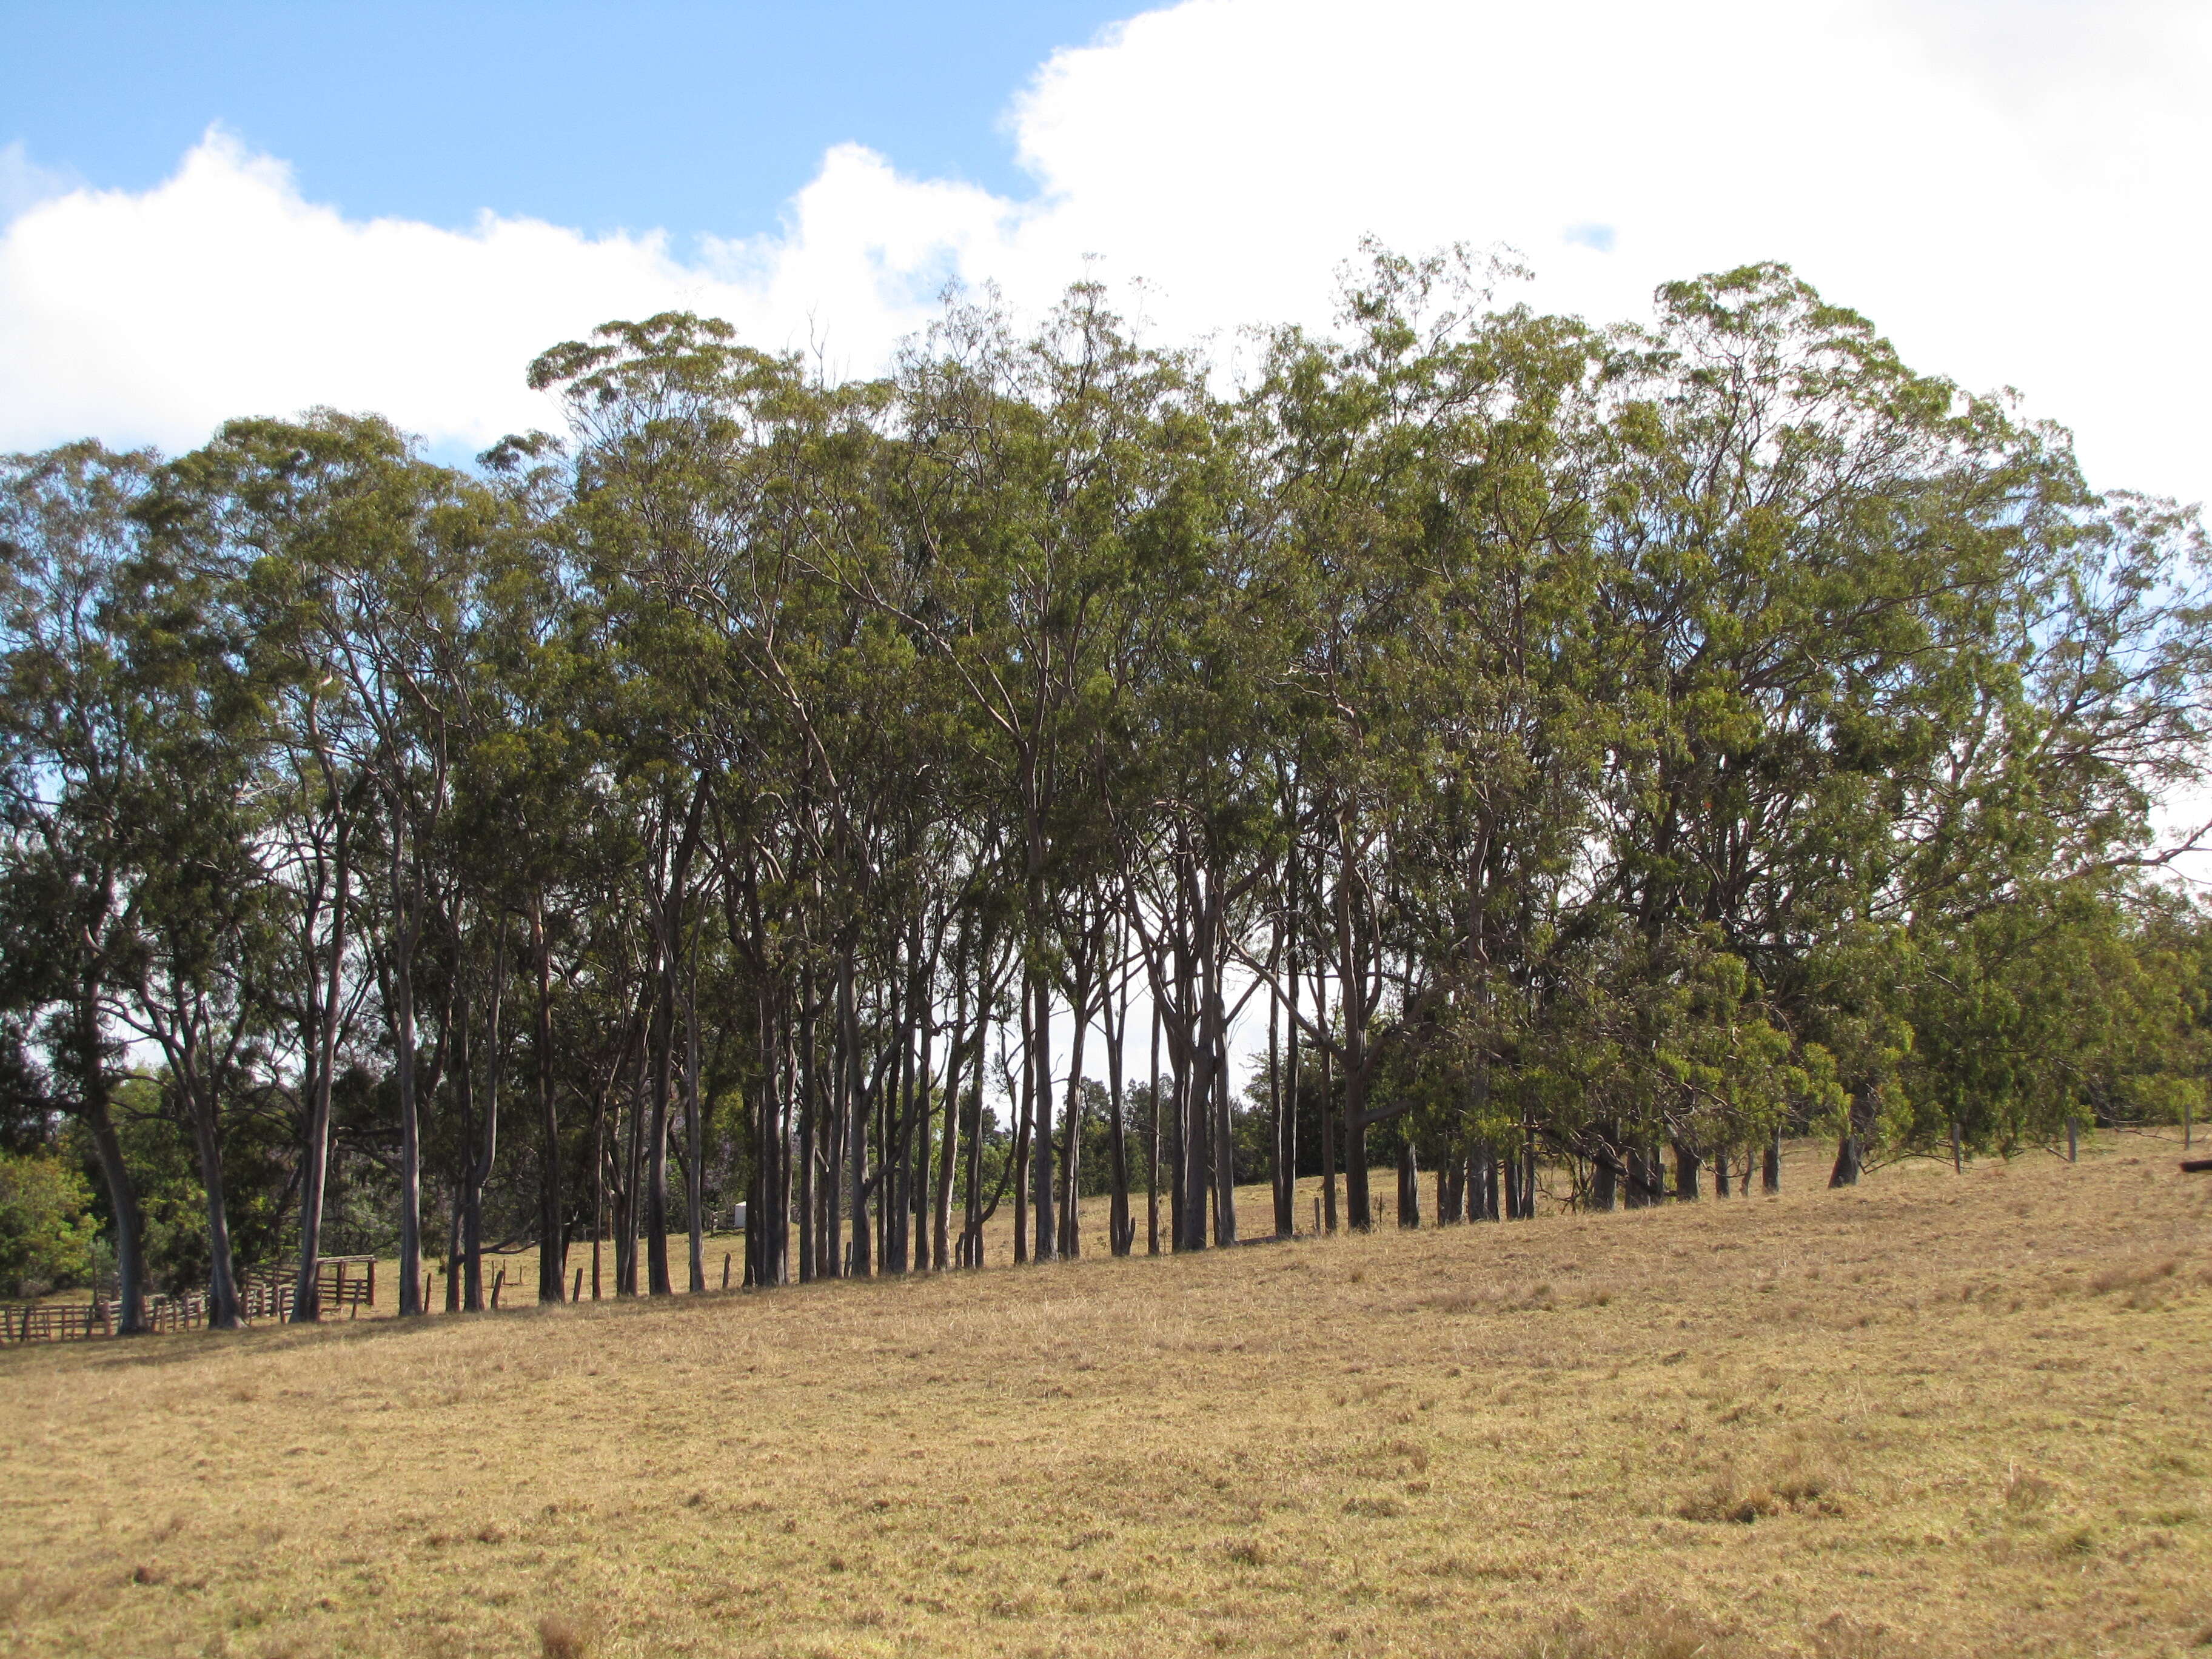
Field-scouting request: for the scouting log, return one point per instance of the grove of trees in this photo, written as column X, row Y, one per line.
column 1588, row 754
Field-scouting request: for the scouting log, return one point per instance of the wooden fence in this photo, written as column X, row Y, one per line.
column 345, row 1281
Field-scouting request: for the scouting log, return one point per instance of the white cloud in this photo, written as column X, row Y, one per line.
column 2015, row 190
column 24, row 184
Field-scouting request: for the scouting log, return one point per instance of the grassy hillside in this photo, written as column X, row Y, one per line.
column 1934, row 1415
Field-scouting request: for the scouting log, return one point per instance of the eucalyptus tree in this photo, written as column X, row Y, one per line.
column 367, row 562
column 1377, row 445
column 1851, row 599
column 205, row 916
column 74, row 784
column 1034, row 475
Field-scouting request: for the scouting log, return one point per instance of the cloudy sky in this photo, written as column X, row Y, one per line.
column 394, row 207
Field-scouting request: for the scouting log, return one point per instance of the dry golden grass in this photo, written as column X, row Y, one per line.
column 1935, row 1415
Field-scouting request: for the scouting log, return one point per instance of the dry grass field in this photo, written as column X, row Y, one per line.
column 1934, row 1415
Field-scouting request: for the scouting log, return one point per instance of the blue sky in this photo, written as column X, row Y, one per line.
column 685, row 117
column 402, row 204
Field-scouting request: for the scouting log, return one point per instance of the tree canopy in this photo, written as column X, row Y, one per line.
column 1580, row 749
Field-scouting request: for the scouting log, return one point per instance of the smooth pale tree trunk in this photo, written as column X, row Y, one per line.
column 810, row 1232
column 314, row 1166
column 1358, row 1212
column 694, row 1146
column 121, row 1193
column 598, row 1181
column 480, row 1166
column 1222, row 1148
column 949, row 1142
column 463, row 1242
column 129, row 1224
column 632, row 1191
column 1071, row 1166
column 917, row 1207
column 1153, row 1145
column 223, row 1311
column 552, row 1233
column 660, row 1044
column 971, row 1207
column 862, row 1262
column 1280, row 1168
column 1041, row 1147
column 1119, row 1230
column 1023, row 1174
column 457, row 1203
column 410, row 1133
column 1290, row 1094
column 1327, row 1130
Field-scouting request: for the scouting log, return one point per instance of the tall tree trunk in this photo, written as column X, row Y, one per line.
column 633, row 1184
column 552, row 1226
column 1153, row 1145
column 919, row 1203
column 856, row 1150
column 1041, row 1149
column 1071, row 1163
column 315, row 1168
column 122, row 1195
column 223, row 1310
column 810, row 1238
column 660, row 1043
column 949, row 1142
column 894, row 1111
column 971, row 1206
column 1328, row 1123
column 481, row 1156
column 695, row 1192
column 1687, row 1166
column 1028, row 1111
column 1280, row 1168
column 463, row 1263
column 1409, row 1185
column 1118, row 1229
column 403, row 1063
column 1290, row 1091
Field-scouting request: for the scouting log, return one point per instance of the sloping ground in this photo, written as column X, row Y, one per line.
column 1935, row 1415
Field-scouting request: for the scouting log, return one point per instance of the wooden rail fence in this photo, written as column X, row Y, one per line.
column 345, row 1281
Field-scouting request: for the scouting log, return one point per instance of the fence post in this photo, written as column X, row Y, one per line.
column 497, row 1286
column 577, row 1294
column 726, row 1270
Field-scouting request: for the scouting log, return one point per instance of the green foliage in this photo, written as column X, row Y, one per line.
column 48, row 1237
column 1638, row 735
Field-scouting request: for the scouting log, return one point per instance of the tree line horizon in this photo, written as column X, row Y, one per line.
column 1598, row 750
